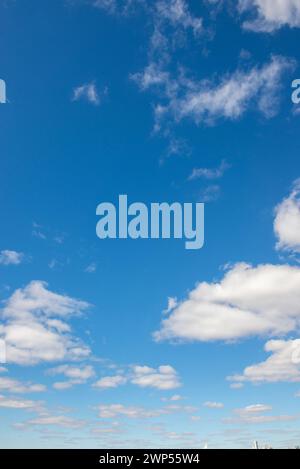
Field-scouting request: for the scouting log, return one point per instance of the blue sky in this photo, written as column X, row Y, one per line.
column 142, row 343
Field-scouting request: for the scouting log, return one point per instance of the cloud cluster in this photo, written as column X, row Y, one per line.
column 207, row 101
column 112, row 411
column 270, row 15
column 16, row 387
column 163, row 378
column 35, row 329
column 75, row 375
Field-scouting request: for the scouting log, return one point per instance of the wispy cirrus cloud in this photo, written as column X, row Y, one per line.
column 208, row 101
column 209, row 173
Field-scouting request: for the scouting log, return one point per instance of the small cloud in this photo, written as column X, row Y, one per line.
column 91, row 268
column 213, row 405
column 8, row 257
column 110, row 382
column 164, row 377
column 172, row 303
column 210, row 193
column 208, row 173
column 88, row 92
column 236, row 385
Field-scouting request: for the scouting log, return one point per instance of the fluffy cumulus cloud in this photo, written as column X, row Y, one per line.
column 108, row 382
column 270, row 15
column 75, row 375
column 207, row 101
column 8, row 257
column 248, row 301
column 34, row 326
column 287, row 221
column 164, row 377
column 283, row 364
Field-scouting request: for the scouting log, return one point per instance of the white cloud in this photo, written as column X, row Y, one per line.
column 108, row 382
column 34, row 326
column 174, row 398
column 254, row 414
column 287, row 221
column 119, row 7
column 213, row 405
column 132, row 412
column 14, row 386
column 176, row 12
column 55, row 420
column 271, row 14
column 75, row 374
column 91, row 268
column 8, row 257
column 164, row 377
column 135, row 412
column 283, row 365
column 207, row 101
column 248, row 301
column 87, row 91
column 208, row 173
column 23, row 404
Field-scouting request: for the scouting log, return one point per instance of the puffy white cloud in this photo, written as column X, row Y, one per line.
column 87, row 91
column 271, row 14
column 248, row 301
column 213, row 405
column 282, row 365
column 14, row 386
column 164, row 377
column 108, row 382
column 287, row 221
column 8, row 257
column 76, row 375
column 34, row 329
